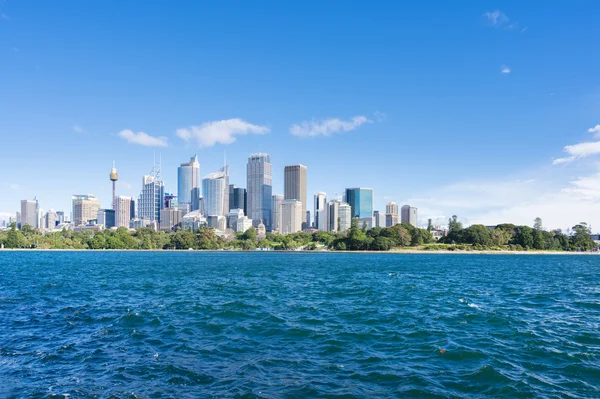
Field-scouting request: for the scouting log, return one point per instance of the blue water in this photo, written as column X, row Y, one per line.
column 267, row 325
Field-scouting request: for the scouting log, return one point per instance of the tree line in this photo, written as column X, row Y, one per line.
column 357, row 238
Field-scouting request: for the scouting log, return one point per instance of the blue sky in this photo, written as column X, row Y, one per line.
column 456, row 108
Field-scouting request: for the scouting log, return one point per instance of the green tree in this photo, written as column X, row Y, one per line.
column 429, row 225
column 581, row 239
column 524, row 237
column 15, row 238
column 250, row 234
column 537, row 223
column 477, row 234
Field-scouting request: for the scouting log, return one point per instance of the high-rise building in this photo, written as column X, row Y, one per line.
column 391, row 208
column 291, row 216
column 106, row 217
column 307, row 225
column 321, row 211
column 345, row 215
column 150, row 202
column 50, row 220
column 188, row 178
column 409, row 215
column 391, row 214
column 380, row 219
column 232, row 218
column 85, row 209
column 237, row 198
column 169, row 218
column 294, row 180
column 60, row 217
column 196, row 201
column 216, row 189
column 361, row 201
column 276, row 212
column 123, row 211
column 29, row 213
column 132, row 209
column 260, row 188
column 332, row 215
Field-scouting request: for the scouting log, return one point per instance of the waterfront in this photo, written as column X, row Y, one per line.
column 190, row 324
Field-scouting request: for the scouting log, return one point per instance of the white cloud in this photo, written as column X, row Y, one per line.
column 581, row 150
column 223, row 131
column 14, row 186
column 561, row 203
column 496, row 18
column 577, row 151
column 142, row 138
column 327, row 127
column 504, row 69
column 78, row 129
column 595, row 130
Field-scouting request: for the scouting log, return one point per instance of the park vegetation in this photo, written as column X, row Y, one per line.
column 398, row 237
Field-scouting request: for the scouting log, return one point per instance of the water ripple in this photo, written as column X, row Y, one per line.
column 245, row 325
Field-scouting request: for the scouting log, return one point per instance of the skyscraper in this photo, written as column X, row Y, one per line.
column 320, row 211
column 85, row 209
column 276, row 212
column 391, row 208
column 291, row 216
column 50, row 220
column 216, row 189
column 345, row 215
column 188, row 178
column 106, row 217
column 379, row 219
column 361, row 202
column 237, row 198
column 333, row 215
column 196, row 201
column 123, row 211
column 409, row 215
column 151, row 198
column 391, row 214
column 260, row 189
column 294, row 179
column 29, row 213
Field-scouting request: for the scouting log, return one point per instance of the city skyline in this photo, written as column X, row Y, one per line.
column 487, row 113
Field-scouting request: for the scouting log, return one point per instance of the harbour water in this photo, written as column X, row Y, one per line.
column 273, row 325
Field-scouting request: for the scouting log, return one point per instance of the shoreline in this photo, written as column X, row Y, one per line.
column 392, row 252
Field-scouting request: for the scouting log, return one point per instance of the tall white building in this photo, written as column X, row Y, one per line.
column 345, row 215
column 291, row 216
column 85, row 209
column 188, row 179
column 123, row 211
column 50, row 220
column 321, row 211
column 259, row 189
column 151, row 198
column 294, row 180
column 29, row 213
column 409, row 215
column 215, row 187
column 276, row 212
